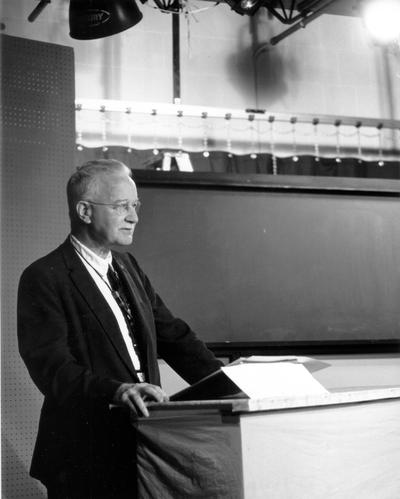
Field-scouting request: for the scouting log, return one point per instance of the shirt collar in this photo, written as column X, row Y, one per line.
column 97, row 262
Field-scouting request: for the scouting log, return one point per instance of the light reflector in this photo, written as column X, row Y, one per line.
column 382, row 19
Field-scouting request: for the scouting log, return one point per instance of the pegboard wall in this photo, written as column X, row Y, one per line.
column 38, row 135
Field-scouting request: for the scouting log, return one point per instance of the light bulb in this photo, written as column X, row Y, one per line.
column 382, row 19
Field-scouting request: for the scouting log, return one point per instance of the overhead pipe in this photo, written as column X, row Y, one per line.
column 301, row 24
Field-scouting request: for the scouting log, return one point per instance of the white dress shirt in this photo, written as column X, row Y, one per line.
column 97, row 268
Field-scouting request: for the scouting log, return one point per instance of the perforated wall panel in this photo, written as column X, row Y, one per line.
column 38, row 132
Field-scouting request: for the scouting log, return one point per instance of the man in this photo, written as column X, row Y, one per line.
column 90, row 328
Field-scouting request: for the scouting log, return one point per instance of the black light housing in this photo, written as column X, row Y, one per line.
column 286, row 11
column 248, row 7
column 91, row 19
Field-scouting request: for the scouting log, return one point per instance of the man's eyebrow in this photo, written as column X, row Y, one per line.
column 125, row 200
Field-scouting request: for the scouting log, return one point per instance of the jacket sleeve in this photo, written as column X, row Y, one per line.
column 45, row 340
column 177, row 343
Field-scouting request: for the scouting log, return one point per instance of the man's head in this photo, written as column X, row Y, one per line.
column 102, row 200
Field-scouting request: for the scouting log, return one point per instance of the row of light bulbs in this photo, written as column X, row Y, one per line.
column 338, row 134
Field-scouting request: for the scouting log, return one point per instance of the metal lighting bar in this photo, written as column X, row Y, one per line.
column 164, row 109
column 38, row 10
column 176, row 66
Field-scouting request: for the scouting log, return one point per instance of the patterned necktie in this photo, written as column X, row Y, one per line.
column 117, row 289
column 120, row 297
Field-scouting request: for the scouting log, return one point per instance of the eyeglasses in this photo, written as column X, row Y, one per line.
column 121, row 208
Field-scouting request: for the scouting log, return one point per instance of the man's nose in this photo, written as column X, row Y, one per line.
column 131, row 215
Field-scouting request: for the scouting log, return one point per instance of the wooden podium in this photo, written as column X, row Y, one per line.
column 339, row 445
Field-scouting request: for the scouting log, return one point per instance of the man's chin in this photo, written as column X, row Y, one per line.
column 125, row 241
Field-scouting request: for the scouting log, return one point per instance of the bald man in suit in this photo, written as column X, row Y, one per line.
column 90, row 329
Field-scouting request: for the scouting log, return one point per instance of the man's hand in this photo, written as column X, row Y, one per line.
column 135, row 396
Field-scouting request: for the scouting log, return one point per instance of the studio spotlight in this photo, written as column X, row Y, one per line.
column 382, row 19
column 248, row 7
column 91, row 19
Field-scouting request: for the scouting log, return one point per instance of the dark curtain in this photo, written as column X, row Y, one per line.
column 223, row 162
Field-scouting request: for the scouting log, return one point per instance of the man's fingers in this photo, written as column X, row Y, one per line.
column 133, row 398
column 126, row 400
column 139, row 404
column 136, row 395
column 155, row 393
column 135, row 403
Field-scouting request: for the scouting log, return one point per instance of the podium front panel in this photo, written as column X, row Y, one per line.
column 338, row 452
column 189, row 454
column 340, row 445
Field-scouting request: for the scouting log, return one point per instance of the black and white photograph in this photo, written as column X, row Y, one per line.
column 200, row 249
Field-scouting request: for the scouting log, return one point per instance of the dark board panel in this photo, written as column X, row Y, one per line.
column 259, row 266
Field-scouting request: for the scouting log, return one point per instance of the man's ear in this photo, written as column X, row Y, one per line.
column 84, row 211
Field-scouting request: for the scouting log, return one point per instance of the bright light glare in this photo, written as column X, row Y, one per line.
column 382, row 19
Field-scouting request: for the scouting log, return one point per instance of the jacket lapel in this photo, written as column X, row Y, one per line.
column 96, row 302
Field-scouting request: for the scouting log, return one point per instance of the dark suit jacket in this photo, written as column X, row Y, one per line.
column 75, row 354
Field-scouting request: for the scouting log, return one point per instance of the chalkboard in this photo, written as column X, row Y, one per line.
column 255, row 265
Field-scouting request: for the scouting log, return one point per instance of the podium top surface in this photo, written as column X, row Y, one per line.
column 246, row 405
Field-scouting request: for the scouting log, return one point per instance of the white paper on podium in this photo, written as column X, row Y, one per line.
column 278, row 379
column 309, row 363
